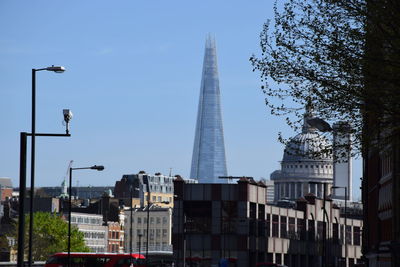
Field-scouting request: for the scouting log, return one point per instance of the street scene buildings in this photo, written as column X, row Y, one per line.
column 330, row 68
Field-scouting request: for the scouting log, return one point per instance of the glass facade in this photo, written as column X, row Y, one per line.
column 208, row 160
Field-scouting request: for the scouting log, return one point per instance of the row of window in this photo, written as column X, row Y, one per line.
column 156, row 232
column 306, row 166
column 94, row 235
column 160, row 188
column 113, row 235
column 287, row 229
column 159, row 199
column 157, row 220
column 86, row 220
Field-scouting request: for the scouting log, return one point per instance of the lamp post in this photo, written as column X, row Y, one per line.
column 149, row 204
column 131, row 220
column 140, row 243
column 345, row 219
column 324, row 258
column 57, row 69
column 130, row 230
column 94, row 167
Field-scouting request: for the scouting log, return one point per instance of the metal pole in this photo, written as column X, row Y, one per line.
column 130, row 230
column 148, row 224
column 32, row 166
column 345, row 225
column 69, row 216
column 324, row 228
column 22, row 192
column 184, row 239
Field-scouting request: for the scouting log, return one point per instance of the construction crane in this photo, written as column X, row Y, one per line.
column 64, row 190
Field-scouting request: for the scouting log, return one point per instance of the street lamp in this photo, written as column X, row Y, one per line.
column 94, row 167
column 20, row 258
column 130, row 230
column 323, row 222
column 345, row 219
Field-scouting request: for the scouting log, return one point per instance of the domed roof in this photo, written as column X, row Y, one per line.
column 308, row 145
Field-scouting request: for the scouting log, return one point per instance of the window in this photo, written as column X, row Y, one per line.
column 283, row 227
column 154, row 198
column 275, row 225
column 158, row 232
column 151, row 220
column 348, row 235
column 268, row 225
column 164, row 220
column 137, row 232
column 335, row 232
column 292, row 228
column 301, row 229
column 320, row 230
column 139, row 220
column 159, row 199
column 311, row 229
column 356, row 236
column 158, row 220
column 164, row 232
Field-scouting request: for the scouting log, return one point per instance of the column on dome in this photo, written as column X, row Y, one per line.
column 276, row 191
column 293, row 191
column 296, row 193
column 287, row 189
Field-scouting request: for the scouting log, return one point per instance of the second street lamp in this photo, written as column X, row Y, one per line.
column 95, row 167
column 57, row 69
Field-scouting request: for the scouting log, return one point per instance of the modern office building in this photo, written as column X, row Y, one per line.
column 208, row 159
column 94, row 231
column 233, row 221
column 306, row 165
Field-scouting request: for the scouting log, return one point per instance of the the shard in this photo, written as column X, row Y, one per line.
column 208, row 160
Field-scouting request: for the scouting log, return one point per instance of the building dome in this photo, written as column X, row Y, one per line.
column 307, row 146
column 306, row 164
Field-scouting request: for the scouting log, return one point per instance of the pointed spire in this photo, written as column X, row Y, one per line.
column 208, row 160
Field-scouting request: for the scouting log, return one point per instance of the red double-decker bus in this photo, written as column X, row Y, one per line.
column 96, row 260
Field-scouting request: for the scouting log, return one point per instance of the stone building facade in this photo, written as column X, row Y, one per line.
column 233, row 221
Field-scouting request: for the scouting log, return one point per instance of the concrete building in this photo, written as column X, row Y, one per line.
column 233, row 221
column 306, row 165
column 208, row 160
column 160, row 227
column 161, row 189
column 93, row 228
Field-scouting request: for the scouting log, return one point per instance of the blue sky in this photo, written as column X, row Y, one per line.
column 132, row 82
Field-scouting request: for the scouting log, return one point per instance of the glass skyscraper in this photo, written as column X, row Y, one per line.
column 208, row 160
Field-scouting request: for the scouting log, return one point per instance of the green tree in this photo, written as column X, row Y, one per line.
column 341, row 55
column 50, row 235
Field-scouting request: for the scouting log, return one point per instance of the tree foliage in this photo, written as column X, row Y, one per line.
column 50, row 235
column 341, row 55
